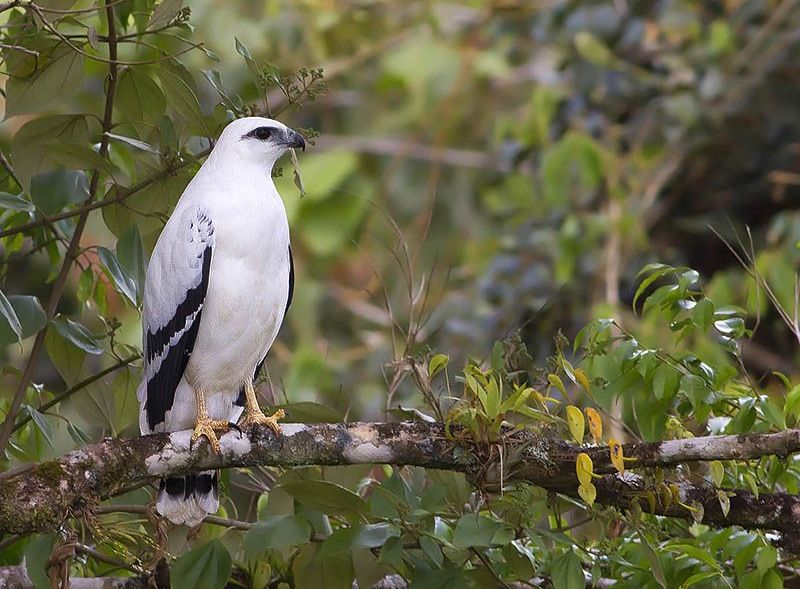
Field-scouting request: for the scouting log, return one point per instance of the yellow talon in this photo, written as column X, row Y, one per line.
column 204, row 425
column 254, row 415
column 207, row 427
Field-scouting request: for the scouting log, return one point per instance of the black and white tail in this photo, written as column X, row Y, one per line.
column 187, row 500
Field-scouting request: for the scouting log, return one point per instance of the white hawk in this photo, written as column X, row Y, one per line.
column 217, row 288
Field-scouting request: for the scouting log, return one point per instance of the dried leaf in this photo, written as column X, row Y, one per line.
column 595, row 424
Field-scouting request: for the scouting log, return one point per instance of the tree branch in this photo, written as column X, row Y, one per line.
column 53, row 491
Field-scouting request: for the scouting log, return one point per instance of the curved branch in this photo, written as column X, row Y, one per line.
column 50, row 493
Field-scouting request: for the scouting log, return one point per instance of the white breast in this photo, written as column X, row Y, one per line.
column 247, row 293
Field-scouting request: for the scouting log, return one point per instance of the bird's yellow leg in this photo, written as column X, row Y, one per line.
column 253, row 413
column 204, row 425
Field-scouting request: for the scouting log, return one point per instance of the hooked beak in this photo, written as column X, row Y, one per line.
column 294, row 139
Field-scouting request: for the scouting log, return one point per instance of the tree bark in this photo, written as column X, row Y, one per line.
column 42, row 498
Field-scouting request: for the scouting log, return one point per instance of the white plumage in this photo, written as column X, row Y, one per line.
column 217, row 288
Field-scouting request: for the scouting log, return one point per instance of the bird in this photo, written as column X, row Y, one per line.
column 217, row 288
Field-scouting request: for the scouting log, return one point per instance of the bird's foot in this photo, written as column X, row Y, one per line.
column 207, row 427
column 254, row 416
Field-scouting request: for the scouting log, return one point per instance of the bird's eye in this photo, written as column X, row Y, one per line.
column 263, row 133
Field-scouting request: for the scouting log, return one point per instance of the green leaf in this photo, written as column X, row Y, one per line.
column 276, row 532
column 772, row 413
column 31, row 318
column 655, row 271
column 766, row 559
column 85, row 285
column 313, row 569
column 326, row 497
column 437, row 363
column 41, row 423
column 694, row 388
column 164, row 12
column 431, row 549
column 130, row 253
column 133, row 143
column 310, row 412
column 665, row 381
column 60, row 73
column 124, row 284
column 7, row 310
column 567, row 572
column 52, row 191
column 33, row 145
column 179, row 86
column 79, row 436
column 698, row 578
column 37, row 553
column 474, row 530
column 772, row 580
column 358, row 536
column 139, row 98
column 251, row 64
column 717, row 472
column 703, row 314
column 15, row 202
column 205, row 567
column 77, row 334
column 688, row 550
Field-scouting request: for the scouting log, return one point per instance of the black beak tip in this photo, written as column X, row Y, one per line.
column 301, row 142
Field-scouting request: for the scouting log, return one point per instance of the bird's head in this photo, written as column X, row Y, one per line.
column 259, row 140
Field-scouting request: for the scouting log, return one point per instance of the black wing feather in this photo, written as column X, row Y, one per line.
column 161, row 385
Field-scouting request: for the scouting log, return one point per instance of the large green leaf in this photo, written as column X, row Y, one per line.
column 567, row 572
column 179, row 85
column 139, row 98
column 326, row 497
column 313, row 570
column 15, row 202
column 52, row 191
column 44, row 144
column 77, row 334
column 37, row 554
column 475, row 530
column 124, row 284
column 31, row 318
column 59, row 74
column 130, row 253
column 276, row 532
column 205, row 567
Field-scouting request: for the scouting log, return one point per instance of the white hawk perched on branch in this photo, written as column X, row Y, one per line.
column 218, row 285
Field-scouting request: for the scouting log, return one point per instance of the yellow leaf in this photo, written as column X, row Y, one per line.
column 717, row 472
column 582, row 379
column 576, row 423
column 584, row 468
column 595, row 424
column 555, row 381
column 617, row 458
column 724, row 502
column 588, row 493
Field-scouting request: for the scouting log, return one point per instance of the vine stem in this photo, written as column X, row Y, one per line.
column 73, row 247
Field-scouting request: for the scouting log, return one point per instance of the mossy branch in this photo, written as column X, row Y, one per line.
column 40, row 499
